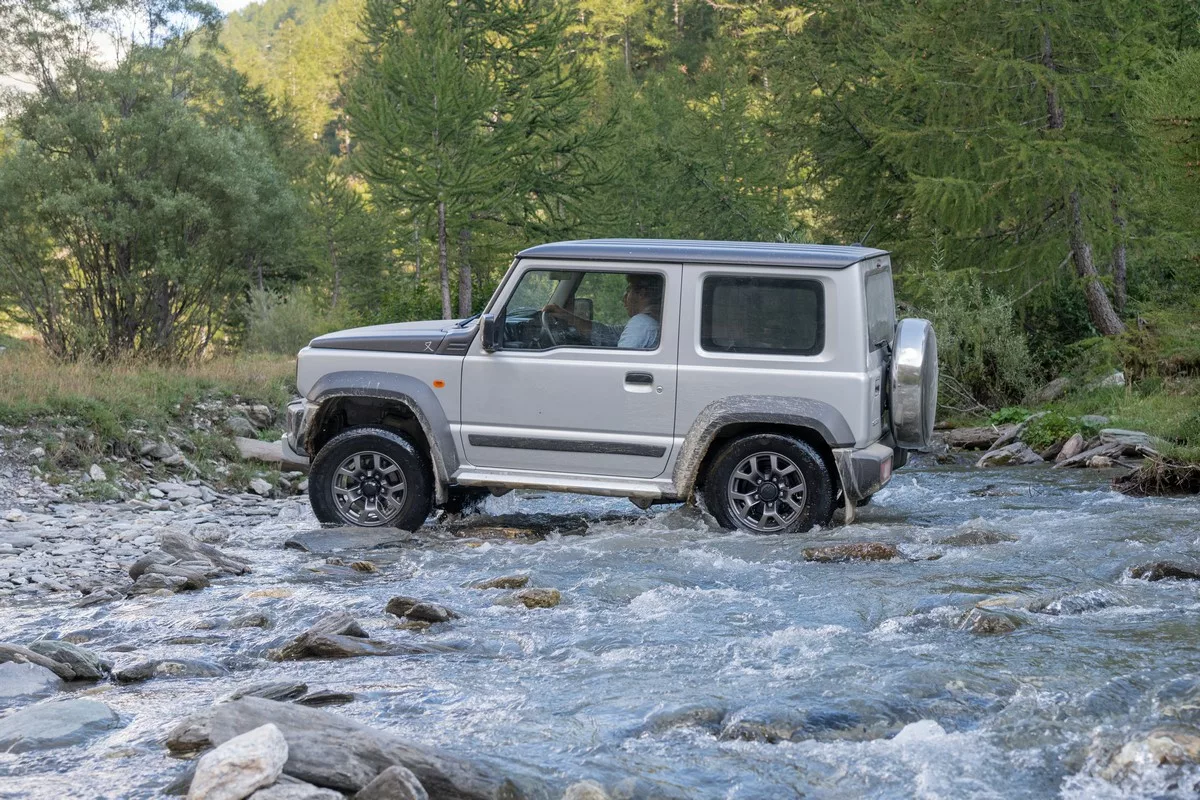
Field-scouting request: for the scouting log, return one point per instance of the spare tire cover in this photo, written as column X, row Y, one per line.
column 913, row 383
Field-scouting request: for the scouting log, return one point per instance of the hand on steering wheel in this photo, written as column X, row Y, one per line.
column 554, row 324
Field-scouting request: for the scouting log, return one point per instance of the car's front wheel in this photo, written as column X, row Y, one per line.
column 370, row 477
column 769, row 483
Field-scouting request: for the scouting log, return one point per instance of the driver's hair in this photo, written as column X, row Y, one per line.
column 650, row 286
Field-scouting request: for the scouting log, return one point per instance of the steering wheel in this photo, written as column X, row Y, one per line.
column 555, row 329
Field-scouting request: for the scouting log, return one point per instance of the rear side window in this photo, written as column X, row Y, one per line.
column 778, row 316
column 881, row 308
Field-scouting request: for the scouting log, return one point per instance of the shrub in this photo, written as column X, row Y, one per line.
column 1049, row 429
column 1008, row 416
column 283, row 324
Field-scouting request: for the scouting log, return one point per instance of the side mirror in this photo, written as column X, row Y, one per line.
column 490, row 332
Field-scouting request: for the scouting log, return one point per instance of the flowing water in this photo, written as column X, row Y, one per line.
column 668, row 626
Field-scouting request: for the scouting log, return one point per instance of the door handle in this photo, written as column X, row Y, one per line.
column 639, row 378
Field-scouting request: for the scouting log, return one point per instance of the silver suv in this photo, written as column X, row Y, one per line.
column 770, row 380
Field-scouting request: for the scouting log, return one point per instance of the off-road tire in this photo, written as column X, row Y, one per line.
column 819, row 487
column 414, row 466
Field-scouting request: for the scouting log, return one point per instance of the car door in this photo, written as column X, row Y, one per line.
column 560, row 401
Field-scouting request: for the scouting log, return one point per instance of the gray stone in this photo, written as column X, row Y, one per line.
column 162, row 451
column 763, row 723
column 859, row 551
column 539, row 598
column 151, row 583
column 505, row 582
column 1114, row 380
column 326, row 697
column 1015, row 454
column 331, row 541
column 1127, row 438
column 97, row 474
column 56, row 724
column 87, row 665
column 987, row 623
column 977, row 438
column 326, row 749
column 1093, row 421
column 291, row 789
column 240, row 426
column 25, row 681
column 585, row 790
column 1051, row 391
column 275, row 690
column 1165, row 570
column 192, row 735
column 187, row 549
column 240, row 765
column 168, row 668
column 1072, row 448
column 23, row 655
column 394, row 783
column 416, row 609
column 260, row 487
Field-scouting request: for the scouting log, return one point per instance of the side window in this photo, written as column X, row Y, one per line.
column 573, row 308
column 753, row 314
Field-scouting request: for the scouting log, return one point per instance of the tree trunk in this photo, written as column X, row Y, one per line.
column 464, row 272
column 628, row 60
column 417, row 246
column 1055, row 118
column 1099, row 308
column 678, row 20
column 1119, row 266
column 337, row 271
column 443, row 260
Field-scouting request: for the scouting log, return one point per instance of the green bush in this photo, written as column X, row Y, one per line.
column 1009, row 415
column 1049, row 429
column 283, row 324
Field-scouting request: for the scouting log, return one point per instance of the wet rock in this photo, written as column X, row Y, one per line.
column 87, row 665
column 291, row 789
column 987, row 623
column 763, row 723
column 340, row 540
column 1077, row 603
column 414, row 625
column 505, row 582
column 51, row 725
column 1010, row 455
column 189, row 551
column 274, row 690
column 193, row 576
column 251, row 619
column 585, row 790
column 336, row 635
column 539, row 598
column 1100, row 462
column 700, row 715
column 977, row 438
column 240, row 765
column 149, row 560
column 394, row 783
column 169, row 668
column 1164, row 570
column 326, row 697
column 23, row 655
column 26, row 681
column 328, row 750
column 1072, row 447
column 149, row 584
column 363, row 566
column 977, row 538
column 417, row 609
column 858, row 551
column 192, row 735
column 1160, row 747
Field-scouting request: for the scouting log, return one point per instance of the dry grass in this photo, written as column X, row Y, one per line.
column 110, row 397
column 1159, row 477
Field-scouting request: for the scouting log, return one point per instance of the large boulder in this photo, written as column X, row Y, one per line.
column 328, row 750
column 23, row 655
column 169, row 668
column 1071, row 448
column 240, row 765
column 25, row 681
column 394, row 783
column 291, row 789
column 57, row 724
column 86, row 665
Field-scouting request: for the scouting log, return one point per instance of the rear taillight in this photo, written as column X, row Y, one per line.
column 885, row 471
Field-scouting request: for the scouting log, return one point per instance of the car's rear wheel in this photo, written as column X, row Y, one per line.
column 370, row 477
column 769, row 483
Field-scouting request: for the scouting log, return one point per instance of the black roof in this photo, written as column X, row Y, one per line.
column 770, row 254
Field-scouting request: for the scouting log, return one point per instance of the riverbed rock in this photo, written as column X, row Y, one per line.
column 240, row 765
column 189, row 551
column 1072, row 448
column 193, row 576
column 986, row 623
column 331, row 541
column 23, row 655
column 1164, row 570
column 420, row 610
column 1127, row 438
column 325, row 697
column 1160, row 747
column 335, row 635
column 700, row 715
column 192, row 735
column 328, row 750
column 1100, row 462
column 1010, row 455
column 168, row 668
column 858, row 551
column 291, row 789
column 586, row 790
column 1075, row 603
column 977, row 538
column 394, row 783
column 272, row 690
column 539, row 598
column 763, row 722
column 87, row 665
column 150, row 584
column 56, row 724
column 504, row 582
column 25, row 681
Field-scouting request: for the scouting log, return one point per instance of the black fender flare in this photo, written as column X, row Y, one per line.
column 819, row 417
column 414, row 394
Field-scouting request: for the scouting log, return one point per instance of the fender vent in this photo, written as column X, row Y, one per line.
column 457, row 348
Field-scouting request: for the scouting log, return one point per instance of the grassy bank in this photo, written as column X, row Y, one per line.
column 82, row 413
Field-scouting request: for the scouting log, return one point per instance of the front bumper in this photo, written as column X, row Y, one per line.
column 295, row 426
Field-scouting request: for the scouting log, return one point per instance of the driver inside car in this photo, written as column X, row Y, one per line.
column 643, row 304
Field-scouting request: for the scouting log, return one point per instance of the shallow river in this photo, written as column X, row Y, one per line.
column 667, row 626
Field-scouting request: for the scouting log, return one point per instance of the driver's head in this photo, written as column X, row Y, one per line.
column 643, row 294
